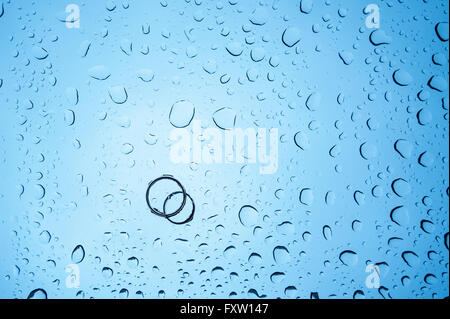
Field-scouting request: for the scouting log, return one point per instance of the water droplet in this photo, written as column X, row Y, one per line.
column 335, row 151
column 302, row 141
column 346, row 57
column 400, row 216
column 107, row 272
column 327, row 232
column 313, row 101
column 146, row 75
column 69, row 117
column 99, row 72
column 426, row 159
column 277, row 277
column 225, row 118
column 133, row 262
column 45, row 237
column 72, row 96
column 248, row 216
column 401, row 187
column 379, row 37
column 37, row 294
column 368, row 151
column 349, row 258
column 78, row 254
column 404, row 148
column 118, row 94
column 291, row 36
column 39, row 53
column 402, row 77
column 359, row 197
column 39, row 192
column 306, row 196
column 257, row 54
column 235, row 48
column 411, row 259
column 442, row 31
column 306, row 6
column 259, row 16
column 281, row 255
column 438, row 83
column 127, row 148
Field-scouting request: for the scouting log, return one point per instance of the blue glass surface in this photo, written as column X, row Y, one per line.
column 358, row 206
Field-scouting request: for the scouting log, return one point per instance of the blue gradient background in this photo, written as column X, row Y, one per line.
column 95, row 194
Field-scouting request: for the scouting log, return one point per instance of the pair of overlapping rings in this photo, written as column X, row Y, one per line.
column 163, row 213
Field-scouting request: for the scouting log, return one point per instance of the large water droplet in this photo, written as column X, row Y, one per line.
column 225, row 118
column 291, row 36
column 442, row 31
column 248, row 216
column 78, row 254
column 281, row 255
column 306, row 196
column 37, row 294
column 306, row 6
column 404, row 148
column 400, row 216
column 118, row 94
column 401, row 187
column 349, row 258
column 402, row 77
column 313, row 101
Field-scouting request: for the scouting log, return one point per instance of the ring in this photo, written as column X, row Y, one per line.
column 156, row 211
column 183, row 204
